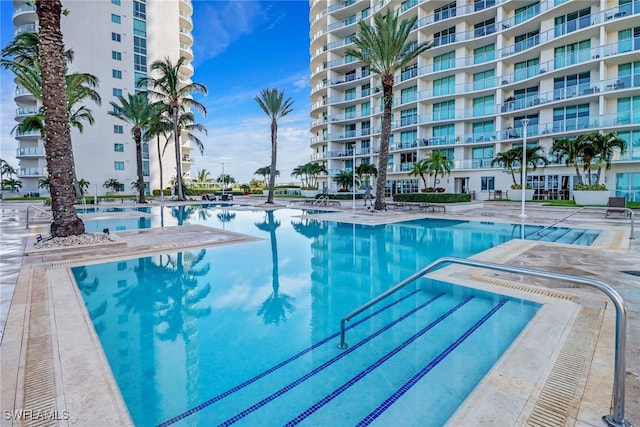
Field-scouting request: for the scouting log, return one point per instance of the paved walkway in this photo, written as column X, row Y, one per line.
column 614, row 259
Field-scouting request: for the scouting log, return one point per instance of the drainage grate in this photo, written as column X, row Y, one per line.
column 559, row 399
column 523, row 288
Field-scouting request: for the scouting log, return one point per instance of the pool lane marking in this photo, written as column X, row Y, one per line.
column 326, row 364
column 424, row 371
column 240, row 386
column 328, row 398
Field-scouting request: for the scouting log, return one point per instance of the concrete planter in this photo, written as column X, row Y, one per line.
column 590, row 197
column 517, row 194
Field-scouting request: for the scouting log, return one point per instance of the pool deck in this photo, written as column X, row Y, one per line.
column 559, row 372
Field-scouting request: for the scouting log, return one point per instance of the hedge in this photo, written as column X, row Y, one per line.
column 432, row 197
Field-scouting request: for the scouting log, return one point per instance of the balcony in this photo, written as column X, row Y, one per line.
column 31, row 172
column 26, row 111
column 30, row 152
column 27, row 28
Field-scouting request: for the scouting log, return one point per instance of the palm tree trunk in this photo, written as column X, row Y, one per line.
column 176, row 140
column 274, row 153
column 138, row 139
column 160, row 166
column 58, row 148
column 383, row 156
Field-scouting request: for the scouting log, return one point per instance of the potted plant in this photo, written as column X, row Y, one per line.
column 511, row 160
column 589, row 151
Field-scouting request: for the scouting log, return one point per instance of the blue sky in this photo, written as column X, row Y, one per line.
column 240, row 48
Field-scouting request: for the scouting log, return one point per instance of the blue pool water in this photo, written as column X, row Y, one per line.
column 247, row 334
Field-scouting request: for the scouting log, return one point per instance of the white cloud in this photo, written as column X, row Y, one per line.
column 218, row 24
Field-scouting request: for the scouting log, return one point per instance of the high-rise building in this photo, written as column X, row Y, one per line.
column 569, row 67
column 115, row 40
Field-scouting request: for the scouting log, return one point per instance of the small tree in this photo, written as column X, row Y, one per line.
column 112, row 184
column 420, row 168
column 437, row 163
column 264, row 172
column 345, row 180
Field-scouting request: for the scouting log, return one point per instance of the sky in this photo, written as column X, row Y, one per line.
column 240, row 48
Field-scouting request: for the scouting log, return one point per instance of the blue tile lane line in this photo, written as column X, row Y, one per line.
column 424, row 371
column 326, row 364
column 328, row 398
column 281, row 364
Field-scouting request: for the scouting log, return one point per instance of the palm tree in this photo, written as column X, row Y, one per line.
column 160, row 126
column 5, row 169
column 507, row 159
column 366, row 170
column 225, row 180
column 12, row 184
column 84, row 185
column 385, row 49
column 136, row 112
column 58, row 148
column 601, row 148
column 437, row 163
column 569, row 150
column 264, row 172
column 112, row 184
column 275, row 106
column 535, row 156
column 174, row 94
column 344, row 179
column 420, row 168
column 203, row 175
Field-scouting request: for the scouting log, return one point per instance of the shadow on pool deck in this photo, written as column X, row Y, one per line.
column 47, row 317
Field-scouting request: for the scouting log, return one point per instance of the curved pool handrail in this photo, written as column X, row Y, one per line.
column 616, row 418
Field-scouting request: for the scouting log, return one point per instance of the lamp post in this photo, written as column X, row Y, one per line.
column 222, row 178
column 523, row 166
column 353, row 176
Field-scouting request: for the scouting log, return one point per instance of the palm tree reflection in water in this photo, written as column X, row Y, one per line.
column 225, row 216
column 275, row 308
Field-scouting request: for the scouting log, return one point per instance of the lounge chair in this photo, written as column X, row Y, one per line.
column 226, row 197
column 617, row 205
column 209, row 197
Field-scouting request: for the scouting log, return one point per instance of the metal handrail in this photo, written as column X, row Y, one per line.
column 616, row 418
column 38, row 209
column 630, row 211
column 320, row 200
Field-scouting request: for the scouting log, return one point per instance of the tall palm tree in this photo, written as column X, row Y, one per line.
column 203, row 176
column 420, row 168
column 507, row 159
column 136, row 112
column 58, row 148
column 570, row 151
column 174, row 94
column 385, row 48
column 438, row 163
column 275, row 106
column 600, row 147
column 535, row 156
column 5, row 169
column 160, row 126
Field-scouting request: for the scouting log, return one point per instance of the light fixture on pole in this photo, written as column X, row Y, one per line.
column 523, row 167
column 222, row 178
column 353, row 176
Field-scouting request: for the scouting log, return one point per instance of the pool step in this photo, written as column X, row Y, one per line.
column 336, row 378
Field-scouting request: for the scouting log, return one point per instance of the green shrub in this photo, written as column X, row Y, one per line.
column 432, row 197
column 590, row 187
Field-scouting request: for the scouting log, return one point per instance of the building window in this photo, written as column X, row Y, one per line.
column 118, row 129
column 365, row 109
column 408, row 72
column 629, row 39
column 444, row 110
column 116, row 74
column 118, row 148
column 445, row 12
column 485, row 28
column 116, row 55
column 487, row 183
column 409, row 117
column 445, row 36
column 484, row 80
column 444, row 86
column 527, row 41
column 116, row 2
column 572, row 22
column 139, row 10
column 409, row 94
column 571, row 85
column 116, row 18
column 527, row 69
column 483, row 4
column 484, row 105
column 119, row 166
column 350, row 94
column 628, row 110
column 527, row 12
column 445, row 61
column 117, row 92
column 140, row 63
column 628, row 75
column 350, row 112
column 484, row 131
column 139, row 45
column 139, row 28
column 573, row 53
column 443, row 134
column 484, row 54
column 116, row 37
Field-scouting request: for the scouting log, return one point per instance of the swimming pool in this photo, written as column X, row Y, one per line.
column 247, row 333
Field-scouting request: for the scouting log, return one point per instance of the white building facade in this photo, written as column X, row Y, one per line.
column 115, row 40
column 570, row 67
